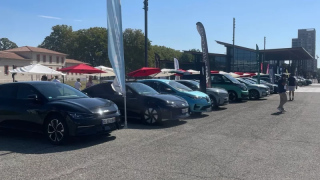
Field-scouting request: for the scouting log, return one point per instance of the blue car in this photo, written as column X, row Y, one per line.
column 198, row 102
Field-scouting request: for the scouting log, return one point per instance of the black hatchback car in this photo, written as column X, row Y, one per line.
column 56, row 109
column 143, row 102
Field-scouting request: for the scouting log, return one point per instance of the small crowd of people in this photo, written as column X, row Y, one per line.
column 285, row 84
column 77, row 84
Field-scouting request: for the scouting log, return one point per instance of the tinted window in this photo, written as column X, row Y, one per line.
column 24, row 91
column 102, row 89
column 178, row 86
column 153, row 85
column 216, row 79
column 230, row 78
column 142, row 89
column 163, row 88
column 8, row 91
column 53, row 91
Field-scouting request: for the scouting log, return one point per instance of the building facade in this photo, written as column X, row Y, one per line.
column 27, row 55
column 307, row 40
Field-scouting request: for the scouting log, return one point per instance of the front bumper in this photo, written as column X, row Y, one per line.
column 223, row 100
column 245, row 95
column 93, row 126
column 200, row 105
column 264, row 93
column 175, row 113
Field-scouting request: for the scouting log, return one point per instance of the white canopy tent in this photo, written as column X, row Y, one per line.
column 109, row 71
column 193, row 71
column 35, row 69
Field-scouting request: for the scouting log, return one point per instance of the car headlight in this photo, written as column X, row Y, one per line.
column 171, row 103
column 76, row 115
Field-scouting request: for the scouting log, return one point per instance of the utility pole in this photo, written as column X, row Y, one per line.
column 146, row 32
column 233, row 55
column 264, row 52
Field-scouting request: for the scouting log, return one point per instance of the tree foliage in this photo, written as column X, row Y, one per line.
column 91, row 46
column 5, row 44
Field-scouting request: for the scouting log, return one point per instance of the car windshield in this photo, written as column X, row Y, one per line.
column 244, row 81
column 195, row 83
column 234, row 80
column 56, row 91
column 142, row 89
column 179, row 86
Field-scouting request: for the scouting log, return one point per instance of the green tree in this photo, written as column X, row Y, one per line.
column 133, row 42
column 91, row 46
column 61, row 39
column 5, row 44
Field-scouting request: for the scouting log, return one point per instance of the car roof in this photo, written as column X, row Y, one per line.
column 161, row 80
column 30, row 82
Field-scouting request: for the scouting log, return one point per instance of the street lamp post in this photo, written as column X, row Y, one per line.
column 146, row 32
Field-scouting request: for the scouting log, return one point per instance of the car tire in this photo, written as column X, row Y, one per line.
column 214, row 103
column 254, row 94
column 232, row 96
column 151, row 115
column 56, row 130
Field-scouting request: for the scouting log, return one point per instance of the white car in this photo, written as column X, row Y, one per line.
column 256, row 91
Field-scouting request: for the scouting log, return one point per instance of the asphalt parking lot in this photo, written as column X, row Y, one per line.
column 247, row 140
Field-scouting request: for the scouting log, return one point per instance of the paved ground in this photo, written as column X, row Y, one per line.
column 242, row 141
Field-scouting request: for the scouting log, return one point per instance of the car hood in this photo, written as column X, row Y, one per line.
column 196, row 93
column 217, row 90
column 89, row 104
column 167, row 97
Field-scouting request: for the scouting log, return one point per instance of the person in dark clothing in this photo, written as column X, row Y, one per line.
column 292, row 85
column 282, row 92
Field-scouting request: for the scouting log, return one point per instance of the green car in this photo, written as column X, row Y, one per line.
column 236, row 90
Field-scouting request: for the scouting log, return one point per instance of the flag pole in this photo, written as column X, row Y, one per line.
column 125, row 112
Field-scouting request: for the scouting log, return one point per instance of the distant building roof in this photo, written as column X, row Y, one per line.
column 10, row 55
column 295, row 53
column 33, row 49
column 73, row 61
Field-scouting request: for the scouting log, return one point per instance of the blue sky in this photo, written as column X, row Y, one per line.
column 171, row 23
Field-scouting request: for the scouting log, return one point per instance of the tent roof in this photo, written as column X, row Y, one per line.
column 35, row 69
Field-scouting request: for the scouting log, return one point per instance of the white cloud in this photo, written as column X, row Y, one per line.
column 49, row 17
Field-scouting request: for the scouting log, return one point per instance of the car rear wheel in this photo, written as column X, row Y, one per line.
column 151, row 115
column 253, row 94
column 232, row 96
column 56, row 130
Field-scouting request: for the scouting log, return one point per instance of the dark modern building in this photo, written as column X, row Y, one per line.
column 307, row 40
column 245, row 60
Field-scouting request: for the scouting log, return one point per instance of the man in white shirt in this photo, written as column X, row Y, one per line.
column 56, row 79
column 77, row 84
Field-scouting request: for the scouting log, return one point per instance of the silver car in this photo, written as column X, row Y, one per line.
column 218, row 96
column 256, row 91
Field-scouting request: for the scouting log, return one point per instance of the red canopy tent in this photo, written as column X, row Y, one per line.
column 145, row 71
column 239, row 73
column 81, row 68
column 214, row 72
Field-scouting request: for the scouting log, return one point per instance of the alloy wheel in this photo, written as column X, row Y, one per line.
column 56, row 131
column 253, row 94
column 232, row 96
column 151, row 115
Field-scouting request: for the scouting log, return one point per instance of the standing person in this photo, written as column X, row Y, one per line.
column 282, row 92
column 78, row 84
column 292, row 86
column 56, row 79
column 44, row 78
column 89, row 83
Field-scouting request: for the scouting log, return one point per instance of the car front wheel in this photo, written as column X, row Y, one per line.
column 151, row 115
column 56, row 130
column 232, row 96
column 253, row 94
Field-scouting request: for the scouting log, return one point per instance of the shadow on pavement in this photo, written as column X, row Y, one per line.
column 276, row 113
column 137, row 124
column 238, row 102
column 219, row 109
column 36, row 143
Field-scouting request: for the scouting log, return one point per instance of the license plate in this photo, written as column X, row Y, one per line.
column 108, row 120
column 184, row 110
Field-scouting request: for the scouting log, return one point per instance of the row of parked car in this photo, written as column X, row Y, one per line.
column 59, row 111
